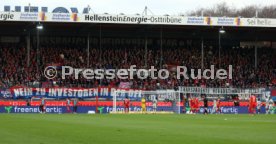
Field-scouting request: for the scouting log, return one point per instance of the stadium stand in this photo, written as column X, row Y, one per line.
column 15, row 71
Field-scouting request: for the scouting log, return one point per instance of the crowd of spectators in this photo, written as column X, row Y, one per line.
column 16, row 70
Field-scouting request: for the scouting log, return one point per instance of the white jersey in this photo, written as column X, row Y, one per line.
column 154, row 103
column 214, row 103
column 259, row 104
column 271, row 103
column 267, row 103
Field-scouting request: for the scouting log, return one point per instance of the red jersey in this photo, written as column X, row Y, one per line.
column 252, row 104
column 252, row 101
column 196, row 103
column 126, row 102
column 218, row 103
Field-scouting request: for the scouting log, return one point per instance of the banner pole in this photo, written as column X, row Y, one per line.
column 202, row 53
column 146, row 51
column 88, row 50
column 161, row 47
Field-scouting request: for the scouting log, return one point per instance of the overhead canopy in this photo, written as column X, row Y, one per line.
column 137, row 19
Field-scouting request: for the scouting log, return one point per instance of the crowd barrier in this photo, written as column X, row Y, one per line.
column 108, row 109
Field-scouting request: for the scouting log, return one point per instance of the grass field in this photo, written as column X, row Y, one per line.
column 136, row 129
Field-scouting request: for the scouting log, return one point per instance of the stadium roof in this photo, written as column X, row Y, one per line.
column 130, row 30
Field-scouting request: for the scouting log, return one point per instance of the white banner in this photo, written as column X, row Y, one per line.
column 137, row 19
column 200, row 90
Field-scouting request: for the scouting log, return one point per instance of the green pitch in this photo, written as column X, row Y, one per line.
column 136, row 129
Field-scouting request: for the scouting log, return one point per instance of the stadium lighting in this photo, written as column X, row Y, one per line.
column 39, row 26
column 221, row 31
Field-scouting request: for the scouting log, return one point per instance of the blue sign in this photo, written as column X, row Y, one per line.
column 105, row 109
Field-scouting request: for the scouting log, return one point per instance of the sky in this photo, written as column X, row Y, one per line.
column 157, row 7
